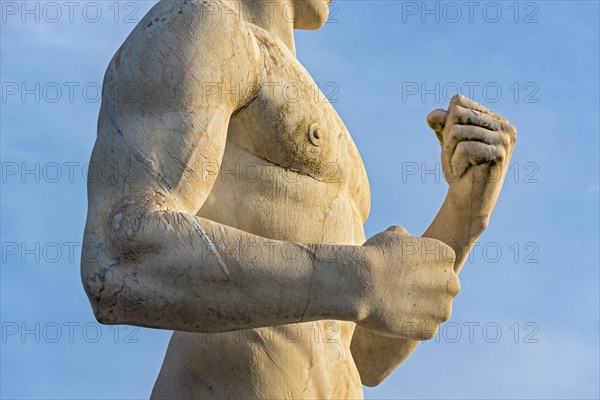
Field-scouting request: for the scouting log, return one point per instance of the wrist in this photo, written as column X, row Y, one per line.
column 338, row 282
column 460, row 222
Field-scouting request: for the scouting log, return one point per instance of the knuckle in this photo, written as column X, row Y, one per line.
column 456, row 97
column 497, row 155
column 428, row 335
column 398, row 229
column 505, row 138
column 459, row 99
column 446, row 312
column 480, row 131
column 456, row 130
column 453, row 285
column 428, row 331
column 489, row 123
column 513, row 133
column 457, row 114
column 508, row 128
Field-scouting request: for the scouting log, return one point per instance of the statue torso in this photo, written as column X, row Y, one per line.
column 290, row 172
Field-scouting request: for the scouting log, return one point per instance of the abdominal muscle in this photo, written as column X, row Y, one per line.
column 308, row 360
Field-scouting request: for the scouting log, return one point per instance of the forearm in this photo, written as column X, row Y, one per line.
column 457, row 227
column 169, row 278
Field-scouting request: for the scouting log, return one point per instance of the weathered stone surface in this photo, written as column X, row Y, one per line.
column 239, row 220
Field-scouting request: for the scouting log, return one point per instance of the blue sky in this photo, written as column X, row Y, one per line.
column 526, row 323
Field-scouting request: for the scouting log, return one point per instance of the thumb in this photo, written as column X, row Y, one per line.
column 436, row 120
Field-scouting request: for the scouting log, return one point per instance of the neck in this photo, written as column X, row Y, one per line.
column 276, row 17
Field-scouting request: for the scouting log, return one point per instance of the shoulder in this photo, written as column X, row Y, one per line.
column 184, row 44
column 208, row 25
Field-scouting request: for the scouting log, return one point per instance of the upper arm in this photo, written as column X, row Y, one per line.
column 161, row 134
column 168, row 94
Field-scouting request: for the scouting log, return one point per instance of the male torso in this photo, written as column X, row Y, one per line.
column 241, row 205
column 290, row 171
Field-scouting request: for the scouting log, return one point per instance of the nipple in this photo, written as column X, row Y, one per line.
column 315, row 134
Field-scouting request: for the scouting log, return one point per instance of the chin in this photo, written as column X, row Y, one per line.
column 312, row 14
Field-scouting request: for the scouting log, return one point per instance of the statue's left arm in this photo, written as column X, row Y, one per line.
column 477, row 145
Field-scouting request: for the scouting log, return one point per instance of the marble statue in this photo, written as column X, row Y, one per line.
column 237, row 220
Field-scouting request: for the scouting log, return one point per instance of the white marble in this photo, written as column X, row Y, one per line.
column 239, row 222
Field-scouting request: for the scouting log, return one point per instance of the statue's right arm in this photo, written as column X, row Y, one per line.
column 148, row 260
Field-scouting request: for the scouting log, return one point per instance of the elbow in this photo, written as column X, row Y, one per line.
column 372, row 381
column 105, row 315
column 372, row 371
column 478, row 225
column 112, row 248
column 102, row 277
column 374, row 363
column 372, row 378
column 103, row 287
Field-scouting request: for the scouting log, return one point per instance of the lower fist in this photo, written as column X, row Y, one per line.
column 410, row 284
